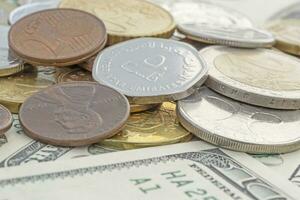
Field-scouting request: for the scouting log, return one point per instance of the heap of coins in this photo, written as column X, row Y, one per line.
column 130, row 73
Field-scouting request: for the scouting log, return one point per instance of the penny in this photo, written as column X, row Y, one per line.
column 27, row 9
column 69, row 74
column 238, row 126
column 8, row 64
column 261, row 77
column 127, row 19
column 151, row 128
column 16, row 88
column 286, row 32
column 6, row 119
column 57, row 37
column 74, row 114
column 151, row 70
column 214, row 24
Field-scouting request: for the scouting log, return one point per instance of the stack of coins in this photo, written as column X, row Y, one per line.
column 117, row 73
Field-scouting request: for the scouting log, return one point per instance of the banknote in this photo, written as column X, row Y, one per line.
column 287, row 165
column 18, row 149
column 192, row 170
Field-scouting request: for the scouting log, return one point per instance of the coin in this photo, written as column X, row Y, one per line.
column 27, row 9
column 6, row 6
column 151, row 70
column 135, row 108
column 214, row 24
column 23, row 2
column 127, row 19
column 57, row 37
column 262, row 77
column 289, row 12
column 238, row 126
column 16, row 88
column 151, row 128
column 287, row 35
column 8, row 64
column 6, row 119
column 70, row 74
column 74, row 114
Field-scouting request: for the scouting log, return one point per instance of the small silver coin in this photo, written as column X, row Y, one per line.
column 8, row 64
column 27, row 9
column 261, row 77
column 151, row 70
column 218, row 25
column 238, row 126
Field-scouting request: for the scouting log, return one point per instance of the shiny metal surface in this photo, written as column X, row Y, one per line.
column 238, row 126
column 151, row 70
column 260, row 77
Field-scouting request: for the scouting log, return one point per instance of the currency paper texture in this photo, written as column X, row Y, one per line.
column 192, row 170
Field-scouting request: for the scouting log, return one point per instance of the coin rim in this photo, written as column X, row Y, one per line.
column 9, row 121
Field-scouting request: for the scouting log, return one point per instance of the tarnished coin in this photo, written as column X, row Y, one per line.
column 27, row 9
column 151, row 128
column 6, row 119
column 151, row 70
column 127, row 19
column 287, row 33
column 69, row 74
column 238, row 126
column 262, row 77
column 16, row 88
column 218, row 25
column 8, row 64
column 57, row 37
column 74, row 114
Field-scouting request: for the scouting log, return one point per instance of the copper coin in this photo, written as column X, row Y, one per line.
column 70, row 74
column 6, row 119
column 57, row 37
column 74, row 114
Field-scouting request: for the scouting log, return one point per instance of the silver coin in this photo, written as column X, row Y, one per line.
column 238, row 126
column 23, row 2
column 289, row 12
column 218, row 25
column 27, row 9
column 262, row 77
column 8, row 64
column 151, row 70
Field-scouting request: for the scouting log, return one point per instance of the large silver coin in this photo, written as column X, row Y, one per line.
column 218, row 25
column 151, row 70
column 27, row 9
column 238, row 126
column 8, row 64
column 262, row 77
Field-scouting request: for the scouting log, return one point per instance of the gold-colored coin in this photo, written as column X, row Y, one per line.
column 69, row 74
column 135, row 108
column 16, row 88
column 152, row 128
column 126, row 19
column 287, row 33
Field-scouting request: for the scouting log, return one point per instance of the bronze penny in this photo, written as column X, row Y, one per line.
column 74, row 114
column 57, row 37
column 70, row 74
column 6, row 119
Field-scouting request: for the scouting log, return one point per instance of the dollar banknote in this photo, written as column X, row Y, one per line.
column 192, row 170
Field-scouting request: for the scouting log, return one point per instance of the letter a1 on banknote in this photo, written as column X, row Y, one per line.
column 192, row 170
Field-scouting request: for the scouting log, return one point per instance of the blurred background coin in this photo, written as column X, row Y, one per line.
column 261, row 77
column 8, row 64
column 74, row 114
column 57, row 37
column 238, row 126
column 127, row 19
column 27, row 9
column 151, row 70
column 151, row 128
column 6, row 119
